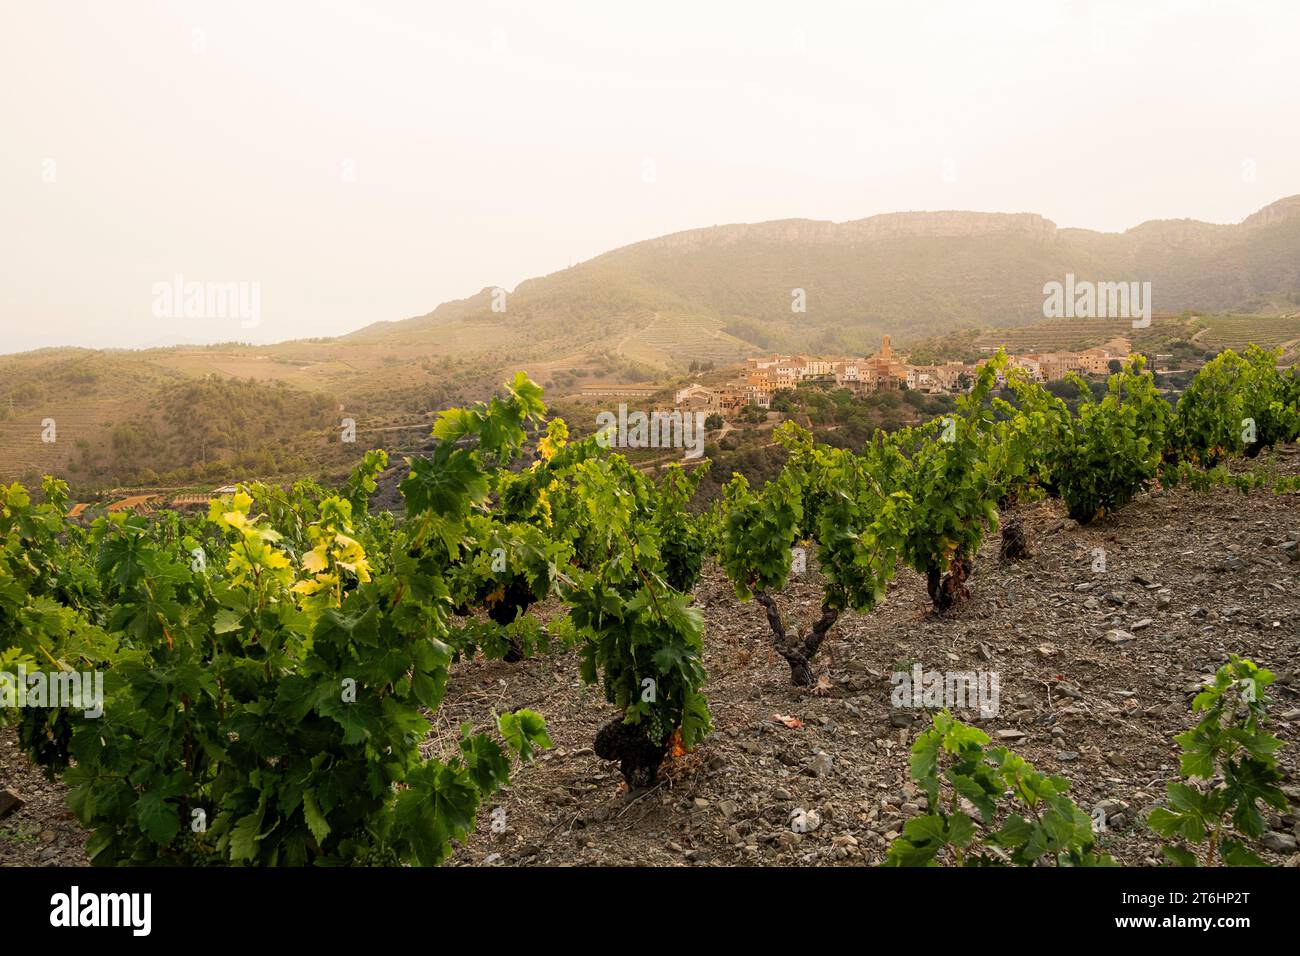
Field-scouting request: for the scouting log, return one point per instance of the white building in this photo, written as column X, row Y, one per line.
column 847, row 372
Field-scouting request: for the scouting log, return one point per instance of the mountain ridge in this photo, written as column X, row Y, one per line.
column 913, row 273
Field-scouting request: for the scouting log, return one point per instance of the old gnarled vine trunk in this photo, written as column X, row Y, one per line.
column 949, row 590
column 638, row 757
column 800, row 653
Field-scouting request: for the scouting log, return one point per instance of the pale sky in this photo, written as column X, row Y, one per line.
column 363, row 160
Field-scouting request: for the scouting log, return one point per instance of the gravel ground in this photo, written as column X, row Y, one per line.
column 43, row 832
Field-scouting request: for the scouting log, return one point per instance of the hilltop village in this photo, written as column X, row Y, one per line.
column 885, row 370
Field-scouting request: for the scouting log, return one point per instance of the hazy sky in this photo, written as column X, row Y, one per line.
column 363, row 160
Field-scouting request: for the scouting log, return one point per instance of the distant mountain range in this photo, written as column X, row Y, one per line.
column 912, row 274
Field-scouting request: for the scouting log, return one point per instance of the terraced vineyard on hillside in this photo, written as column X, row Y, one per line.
column 27, row 454
column 678, row 340
column 1054, row 335
column 1237, row 331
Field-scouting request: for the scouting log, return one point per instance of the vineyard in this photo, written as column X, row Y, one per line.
column 676, row 340
column 27, row 439
column 295, row 680
column 1052, row 335
column 1239, row 331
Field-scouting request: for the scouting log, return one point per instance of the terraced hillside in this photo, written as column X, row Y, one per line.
column 78, row 423
column 674, row 341
column 1053, row 335
column 84, row 392
column 1237, row 331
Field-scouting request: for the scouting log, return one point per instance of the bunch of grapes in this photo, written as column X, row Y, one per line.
column 659, row 725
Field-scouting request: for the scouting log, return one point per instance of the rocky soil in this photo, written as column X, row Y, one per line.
column 42, row 832
column 1096, row 668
